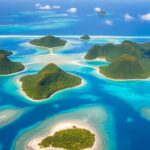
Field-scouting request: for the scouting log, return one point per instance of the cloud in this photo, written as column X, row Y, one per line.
column 46, row 7
column 145, row 17
column 56, row 7
column 128, row 17
column 37, row 5
column 97, row 9
column 72, row 10
column 108, row 22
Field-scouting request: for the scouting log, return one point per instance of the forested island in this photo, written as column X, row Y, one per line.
column 49, row 42
column 85, row 37
column 128, row 60
column 70, row 139
column 48, row 81
column 6, row 53
column 6, row 65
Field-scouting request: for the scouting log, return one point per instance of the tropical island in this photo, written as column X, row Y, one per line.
column 128, row 60
column 85, row 37
column 7, row 66
column 70, row 139
column 6, row 53
column 48, row 81
column 126, row 67
column 49, row 42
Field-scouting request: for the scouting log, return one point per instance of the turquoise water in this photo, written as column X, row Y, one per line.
column 122, row 101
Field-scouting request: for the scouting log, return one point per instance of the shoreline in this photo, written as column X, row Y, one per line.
column 122, row 80
column 33, row 143
column 99, row 73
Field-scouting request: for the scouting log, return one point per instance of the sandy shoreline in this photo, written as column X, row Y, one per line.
column 33, row 143
column 123, row 80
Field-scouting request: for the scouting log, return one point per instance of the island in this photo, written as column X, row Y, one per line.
column 70, row 139
column 85, row 37
column 49, row 42
column 126, row 67
column 48, row 81
column 7, row 66
column 128, row 60
column 6, row 53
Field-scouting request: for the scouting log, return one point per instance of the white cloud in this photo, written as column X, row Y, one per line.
column 72, row 10
column 37, row 5
column 128, row 17
column 108, row 22
column 56, row 7
column 145, row 17
column 46, row 7
column 97, row 9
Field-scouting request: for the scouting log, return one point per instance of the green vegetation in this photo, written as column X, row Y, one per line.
column 126, row 67
column 6, row 53
column 70, row 139
column 48, row 81
column 129, row 60
column 49, row 41
column 112, row 52
column 85, row 37
column 7, row 66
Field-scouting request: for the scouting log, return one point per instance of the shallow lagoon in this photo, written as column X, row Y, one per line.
column 123, row 100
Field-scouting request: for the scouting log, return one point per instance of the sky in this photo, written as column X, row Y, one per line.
column 128, row 17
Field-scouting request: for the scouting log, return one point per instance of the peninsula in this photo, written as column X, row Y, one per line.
column 48, row 81
column 7, row 66
column 48, row 41
column 70, row 139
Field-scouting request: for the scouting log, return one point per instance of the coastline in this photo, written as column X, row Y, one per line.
column 102, row 59
column 102, row 75
column 123, row 80
column 33, row 143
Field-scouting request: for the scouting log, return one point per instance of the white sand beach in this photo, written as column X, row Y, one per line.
column 9, row 114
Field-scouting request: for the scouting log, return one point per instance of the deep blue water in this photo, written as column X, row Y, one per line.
column 129, row 135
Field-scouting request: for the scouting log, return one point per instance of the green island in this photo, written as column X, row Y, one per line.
column 70, row 139
column 85, row 37
column 6, row 53
column 7, row 66
column 48, row 81
column 128, row 60
column 48, row 41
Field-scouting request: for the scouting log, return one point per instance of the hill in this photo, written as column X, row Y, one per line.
column 49, row 41
column 8, row 67
column 6, row 53
column 126, row 67
column 85, row 37
column 48, row 81
column 112, row 52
